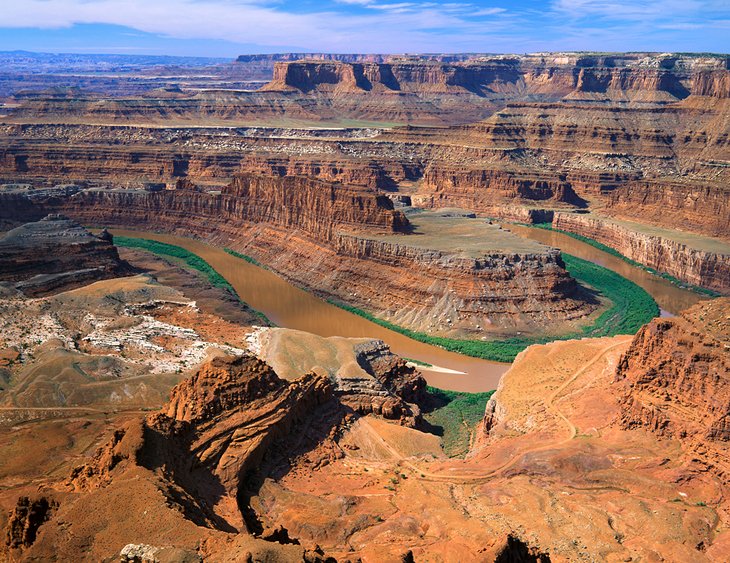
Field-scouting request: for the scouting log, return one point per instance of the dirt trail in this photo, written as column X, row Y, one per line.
column 475, row 478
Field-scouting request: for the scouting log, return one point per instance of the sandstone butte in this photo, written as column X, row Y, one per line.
column 587, row 450
column 628, row 137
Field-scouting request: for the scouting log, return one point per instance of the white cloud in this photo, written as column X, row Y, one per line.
column 392, row 25
column 631, row 9
column 488, row 12
column 399, row 26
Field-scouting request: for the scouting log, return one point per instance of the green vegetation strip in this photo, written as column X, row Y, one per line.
column 418, row 363
column 245, row 257
column 455, row 417
column 631, row 308
column 617, row 254
column 190, row 259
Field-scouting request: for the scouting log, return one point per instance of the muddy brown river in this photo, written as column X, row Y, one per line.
column 291, row 307
column 670, row 298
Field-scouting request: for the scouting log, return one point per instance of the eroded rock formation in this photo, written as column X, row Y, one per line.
column 28, row 516
column 222, row 432
column 285, row 222
column 56, row 253
column 676, row 376
column 700, row 267
column 242, row 464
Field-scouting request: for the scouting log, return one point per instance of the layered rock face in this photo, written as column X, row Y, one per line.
column 444, row 186
column 645, row 137
column 209, row 449
column 676, row 380
column 302, row 203
column 634, row 77
column 702, row 268
column 131, row 155
column 698, row 207
column 663, row 164
column 617, row 419
column 56, row 253
column 426, row 91
column 223, row 420
column 316, row 208
column 284, row 222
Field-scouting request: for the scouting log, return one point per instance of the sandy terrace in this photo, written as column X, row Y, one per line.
column 471, row 237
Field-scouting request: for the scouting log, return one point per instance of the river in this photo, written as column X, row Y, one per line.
column 670, row 298
column 291, row 307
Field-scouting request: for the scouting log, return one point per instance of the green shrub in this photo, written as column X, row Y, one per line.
column 631, row 308
column 617, row 254
column 245, row 257
column 457, row 416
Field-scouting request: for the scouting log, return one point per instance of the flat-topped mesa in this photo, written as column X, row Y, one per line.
column 401, row 76
column 641, row 78
column 420, row 90
column 655, row 84
column 460, row 277
column 285, row 222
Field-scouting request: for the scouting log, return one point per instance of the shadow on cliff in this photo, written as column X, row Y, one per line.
column 312, row 442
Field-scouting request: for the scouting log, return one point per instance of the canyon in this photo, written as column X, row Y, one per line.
column 284, row 222
column 248, row 307
column 269, row 452
column 703, row 267
column 630, row 137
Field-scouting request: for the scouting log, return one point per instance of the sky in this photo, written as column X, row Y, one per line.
column 226, row 28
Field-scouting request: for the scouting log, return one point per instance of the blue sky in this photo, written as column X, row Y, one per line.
column 232, row 27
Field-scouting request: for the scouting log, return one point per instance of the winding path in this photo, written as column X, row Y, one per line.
column 491, row 473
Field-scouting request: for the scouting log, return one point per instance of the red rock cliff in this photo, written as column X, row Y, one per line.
column 676, row 376
column 698, row 267
column 314, row 207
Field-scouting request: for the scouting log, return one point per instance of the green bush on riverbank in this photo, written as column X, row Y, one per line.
column 631, row 307
column 455, row 416
column 245, row 257
column 613, row 252
column 191, row 259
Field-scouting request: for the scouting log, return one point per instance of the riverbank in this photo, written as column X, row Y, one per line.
column 189, row 259
column 613, row 252
column 631, row 307
column 696, row 260
column 671, row 298
column 289, row 306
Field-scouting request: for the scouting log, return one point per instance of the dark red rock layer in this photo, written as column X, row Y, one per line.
column 316, row 208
